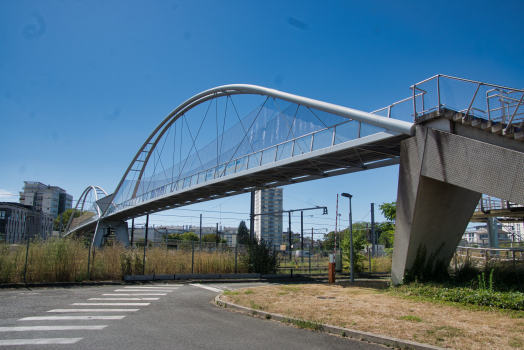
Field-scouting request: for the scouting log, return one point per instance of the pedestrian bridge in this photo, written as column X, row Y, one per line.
column 235, row 139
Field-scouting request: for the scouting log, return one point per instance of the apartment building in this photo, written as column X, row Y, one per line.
column 19, row 222
column 51, row 200
column 269, row 226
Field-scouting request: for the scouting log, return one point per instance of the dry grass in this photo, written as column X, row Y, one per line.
column 374, row 311
column 380, row 264
column 66, row 260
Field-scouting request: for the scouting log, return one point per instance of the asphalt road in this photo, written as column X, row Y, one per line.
column 183, row 317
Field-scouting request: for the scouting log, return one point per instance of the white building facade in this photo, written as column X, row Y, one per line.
column 51, row 200
column 269, row 227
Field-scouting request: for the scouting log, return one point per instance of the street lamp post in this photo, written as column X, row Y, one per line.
column 350, row 237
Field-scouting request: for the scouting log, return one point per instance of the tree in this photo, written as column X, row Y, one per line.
column 389, row 210
column 387, row 229
column 242, row 233
column 189, row 236
column 329, row 241
column 359, row 242
column 213, row 238
column 66, row 215
column 175, row 236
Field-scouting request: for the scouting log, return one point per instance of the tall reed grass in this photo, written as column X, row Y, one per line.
column 66, row 260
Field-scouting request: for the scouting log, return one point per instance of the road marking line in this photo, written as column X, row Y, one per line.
column 163, row 285
column 50, row 328
column 60, row 318
column 111, row 304
column 39, row 341
column 134, row 294
column 123, row 298
column 93, row 310
column 206, row 287
column 141, row 290
column 155, row 288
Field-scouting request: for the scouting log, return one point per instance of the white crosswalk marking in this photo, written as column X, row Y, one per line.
column 129, row 296
column 111, row 304
column 44, row 341
column 93, row 310
column 50, row 328
column 206, row 287
column 67, row 318
column 135, row 294
column 123, row 299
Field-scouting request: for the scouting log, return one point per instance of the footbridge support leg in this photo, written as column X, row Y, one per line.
column 441, row 179
column 105, row 228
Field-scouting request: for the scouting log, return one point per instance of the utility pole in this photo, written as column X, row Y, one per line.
column 373, row 252
column 132, row 231
column 200, row 231
column 252, row 217
column 336, row 222
column 217, row 239
column 289, row 233
column 145, row 245
column 302, row 231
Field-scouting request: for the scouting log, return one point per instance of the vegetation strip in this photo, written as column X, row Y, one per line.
column 344, row 332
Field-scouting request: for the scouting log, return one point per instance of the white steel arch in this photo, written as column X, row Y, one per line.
column 389, row 124
column 97, row 191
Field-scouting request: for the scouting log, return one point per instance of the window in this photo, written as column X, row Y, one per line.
column 2, row 214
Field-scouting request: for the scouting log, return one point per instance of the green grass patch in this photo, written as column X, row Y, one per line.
column 410, row 318
column 315, row 326
column 228, row 292
column 255, row 306
column 291, row 288
column 511, row 300
column 283, row 293
column 249, row 291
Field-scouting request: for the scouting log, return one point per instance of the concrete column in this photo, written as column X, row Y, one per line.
column 493, row 233
column 441, row 178
column 121, row 232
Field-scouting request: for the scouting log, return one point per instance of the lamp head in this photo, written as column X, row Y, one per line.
column 346, row 195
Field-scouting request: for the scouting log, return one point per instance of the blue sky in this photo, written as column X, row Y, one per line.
column 83, row 83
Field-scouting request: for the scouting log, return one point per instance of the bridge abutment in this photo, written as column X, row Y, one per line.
column 105, row 227
column 441, row 179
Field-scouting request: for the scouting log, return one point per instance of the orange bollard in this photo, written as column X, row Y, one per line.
column 331, row 272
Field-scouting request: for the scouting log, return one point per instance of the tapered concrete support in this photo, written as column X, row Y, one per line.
column 441, row 179
column 103, row 229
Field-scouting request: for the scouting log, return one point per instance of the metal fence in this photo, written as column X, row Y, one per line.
column 498, row 104
column 485, row 255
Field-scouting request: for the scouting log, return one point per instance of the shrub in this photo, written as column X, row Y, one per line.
column 258, row 259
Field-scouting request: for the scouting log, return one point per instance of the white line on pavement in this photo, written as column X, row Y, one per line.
column 155, row 287
column 50, row 328
column 141, row 290
column 111, row 304
column 63, row 318
column 39, row 341
column 93, row 310
column 123, row 298
column 134, row 294
column 206, row 287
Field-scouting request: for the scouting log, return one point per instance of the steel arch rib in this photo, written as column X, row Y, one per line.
column 84, row 196
column 236, row 89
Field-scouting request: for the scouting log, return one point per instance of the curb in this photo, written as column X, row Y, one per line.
column 344, row 332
